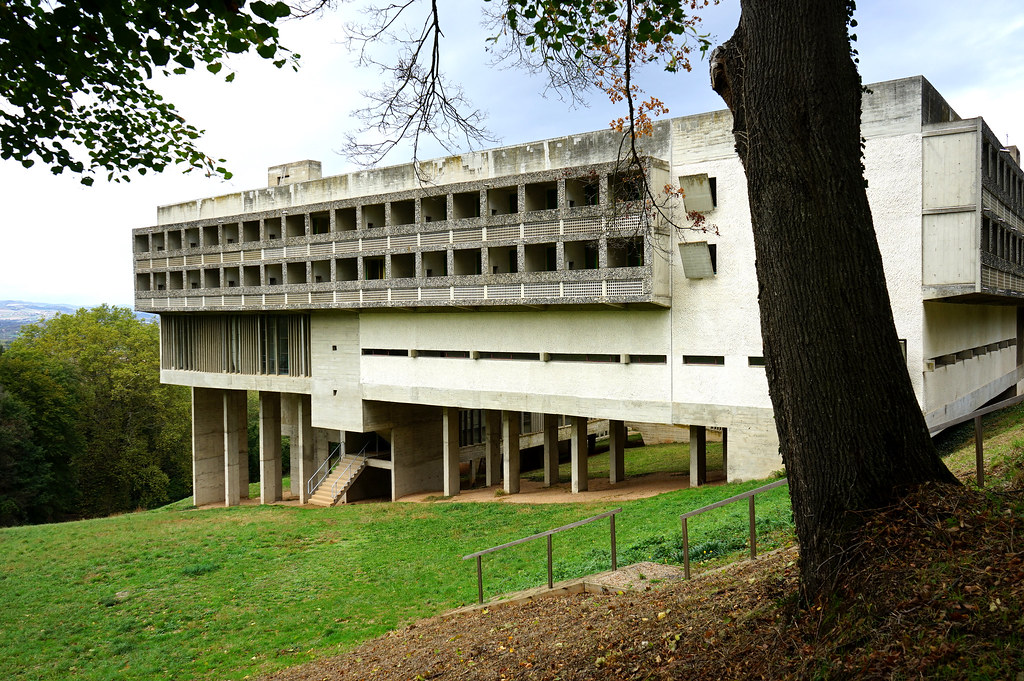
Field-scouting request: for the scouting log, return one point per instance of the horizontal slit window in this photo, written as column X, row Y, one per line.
column 385, row 352
column 648, row 359
column 457, row 354
column 706, row 360
column 587, row 357
column 510, row 355
column 755, row 361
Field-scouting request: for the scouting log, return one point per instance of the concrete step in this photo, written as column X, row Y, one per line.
column 341, row 477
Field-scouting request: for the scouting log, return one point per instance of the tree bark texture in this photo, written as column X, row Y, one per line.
column 850, row 429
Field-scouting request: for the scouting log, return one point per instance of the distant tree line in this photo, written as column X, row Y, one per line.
column 86, row 428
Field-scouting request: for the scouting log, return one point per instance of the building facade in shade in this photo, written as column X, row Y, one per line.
column 418, row 312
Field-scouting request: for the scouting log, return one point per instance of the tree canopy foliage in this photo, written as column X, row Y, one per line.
column 86, row 428
column 75, row 78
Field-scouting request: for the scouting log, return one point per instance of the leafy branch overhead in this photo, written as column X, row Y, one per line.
column 75, row 79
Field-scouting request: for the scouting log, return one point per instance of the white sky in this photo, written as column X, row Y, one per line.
column 62, row 242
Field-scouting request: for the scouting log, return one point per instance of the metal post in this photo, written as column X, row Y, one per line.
column 551, row 584
column 979, row 450
column 753, row 536
column 479, row 580
column 686, row 552
column 615, row 562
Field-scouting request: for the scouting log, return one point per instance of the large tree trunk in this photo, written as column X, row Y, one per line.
column 851, row 432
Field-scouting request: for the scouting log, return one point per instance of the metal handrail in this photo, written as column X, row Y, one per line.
column 979, row 436
column 361, row 458
column 325, row 469
column 749, row 494
column 547, row 533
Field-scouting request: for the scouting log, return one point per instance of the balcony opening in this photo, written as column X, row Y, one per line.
column 540, row 258
column 403, row 212
column 467, row 261
column 541, row 196
column 295, row 273
column 211, row 236
column 503, row 201
column 211, row 278
column 321, row 271
column 142, row 282
column 373, row 216
column 160, row 281
column 251, row 231
column 627, row 186
column 231, row 233
column 503, row 260
column 158, row 241
column 174, row 240
column 373, row 268
column 142, row 243
column 435, row 208
column 320, row 222
column 345, row 219
column 194, row 279
column 251, row 275
column 346, row 269
column 403, row 265
column 581, row 255
column 582, row 191
column 628, row 252
column 273, row 226
column 435, row 264
column 466, row 205
column 192, row 237
column 232, row 277
column 294, row 226
column 275, row 275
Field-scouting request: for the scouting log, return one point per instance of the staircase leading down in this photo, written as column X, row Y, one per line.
column 337, row 483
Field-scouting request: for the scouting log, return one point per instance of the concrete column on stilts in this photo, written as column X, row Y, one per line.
column 321, row 447
column 450, row 450
column 725, row 453
column 207, row 446
column 550, row 450
column 270, row 447
column 580, row 453
column 289, row 410
column 492, row 446
column 698, row 455
column 229, row 412
column 304, row 444
column 616, row 451
column 510, row 450
column 242, row 405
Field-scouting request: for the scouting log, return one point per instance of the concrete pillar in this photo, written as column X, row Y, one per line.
column 698, row 455
column 510, row 450
column 270, row 447
column 616, row 451
column 550, row 449
column 321, row 447
column 450, row 450
column 725, row 453
column 229, row 413
column 242, row 405
column 580, row 452
column 289, row 417
column 207, row 447
column 474, row 468
column 492, row 446
column 302, row 445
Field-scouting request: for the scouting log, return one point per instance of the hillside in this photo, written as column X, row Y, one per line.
column 16, row 313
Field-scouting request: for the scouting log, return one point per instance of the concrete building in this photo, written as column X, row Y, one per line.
column 420, row 312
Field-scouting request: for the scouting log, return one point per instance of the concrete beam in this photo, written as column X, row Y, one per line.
column 698, row 455
column 550, row 449
column 492, row 446
column 450, row 449
column 616, row 451
column 580, row 453
column 270, row 447
column 510, row 450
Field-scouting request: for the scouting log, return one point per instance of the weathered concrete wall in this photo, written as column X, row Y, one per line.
column 416, row 451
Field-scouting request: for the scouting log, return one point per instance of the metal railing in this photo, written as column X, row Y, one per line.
column 359, row 458
column 718, row 504
column 322, row 472
column 979, row 434
column 547, row 533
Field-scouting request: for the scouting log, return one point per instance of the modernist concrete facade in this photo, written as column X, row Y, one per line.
column 417, row 306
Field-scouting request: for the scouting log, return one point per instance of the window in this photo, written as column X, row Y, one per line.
column 385, row 352
column 706, row 360
column 648, row 359
column 755, row 361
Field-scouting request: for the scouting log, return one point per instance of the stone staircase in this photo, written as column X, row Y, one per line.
column 340, row 479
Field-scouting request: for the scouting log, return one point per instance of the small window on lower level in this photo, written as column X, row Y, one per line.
column 706, row 360
column 387, row 352
column 457, row 354
column 648, row 359
column 509, row 355
column 755, row 361
column 584, row 357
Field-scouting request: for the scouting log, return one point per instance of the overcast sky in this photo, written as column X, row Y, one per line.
column 64, row 243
